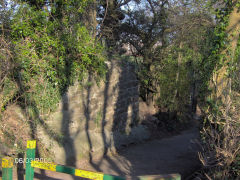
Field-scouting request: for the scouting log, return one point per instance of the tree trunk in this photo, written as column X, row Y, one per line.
column 179, row 61
column 90, row 17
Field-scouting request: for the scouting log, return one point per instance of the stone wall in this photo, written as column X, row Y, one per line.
column 93, row 120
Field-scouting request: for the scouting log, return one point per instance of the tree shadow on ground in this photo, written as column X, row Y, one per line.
column 125, row 118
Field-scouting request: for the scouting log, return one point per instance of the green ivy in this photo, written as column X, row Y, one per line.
column 50, row 54
column 214, row 108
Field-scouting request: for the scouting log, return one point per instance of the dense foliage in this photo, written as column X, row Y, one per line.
column 44, row 50
column 47, row 55
column 169, row 41
column 221, row 123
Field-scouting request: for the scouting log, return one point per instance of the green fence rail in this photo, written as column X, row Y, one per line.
column 31, row 163
column 75, row 172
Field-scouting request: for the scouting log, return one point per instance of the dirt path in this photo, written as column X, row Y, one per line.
column 176, row 154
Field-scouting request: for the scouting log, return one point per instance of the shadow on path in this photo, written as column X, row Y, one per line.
column 177, row 154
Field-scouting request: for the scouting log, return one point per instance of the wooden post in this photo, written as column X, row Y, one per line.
column 7, row 168
column 31, row 147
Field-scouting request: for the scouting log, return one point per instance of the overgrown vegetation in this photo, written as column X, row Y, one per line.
column 172, row 39
column 221, row 124
column 47, row 54
column 186, row 53
column 44, row 50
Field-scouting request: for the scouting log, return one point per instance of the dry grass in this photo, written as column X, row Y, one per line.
column 221, row 148
column 14, row 130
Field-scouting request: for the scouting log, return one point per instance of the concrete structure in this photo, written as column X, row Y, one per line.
column 93, row 120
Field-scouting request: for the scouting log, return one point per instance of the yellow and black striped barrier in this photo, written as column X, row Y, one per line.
column 31, row 163
column 73, row 171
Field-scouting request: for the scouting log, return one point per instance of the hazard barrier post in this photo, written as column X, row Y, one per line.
column 31, row 148
column 7, row 168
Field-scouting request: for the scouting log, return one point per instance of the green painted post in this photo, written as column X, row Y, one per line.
column 31, row 147
column 7, row 168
